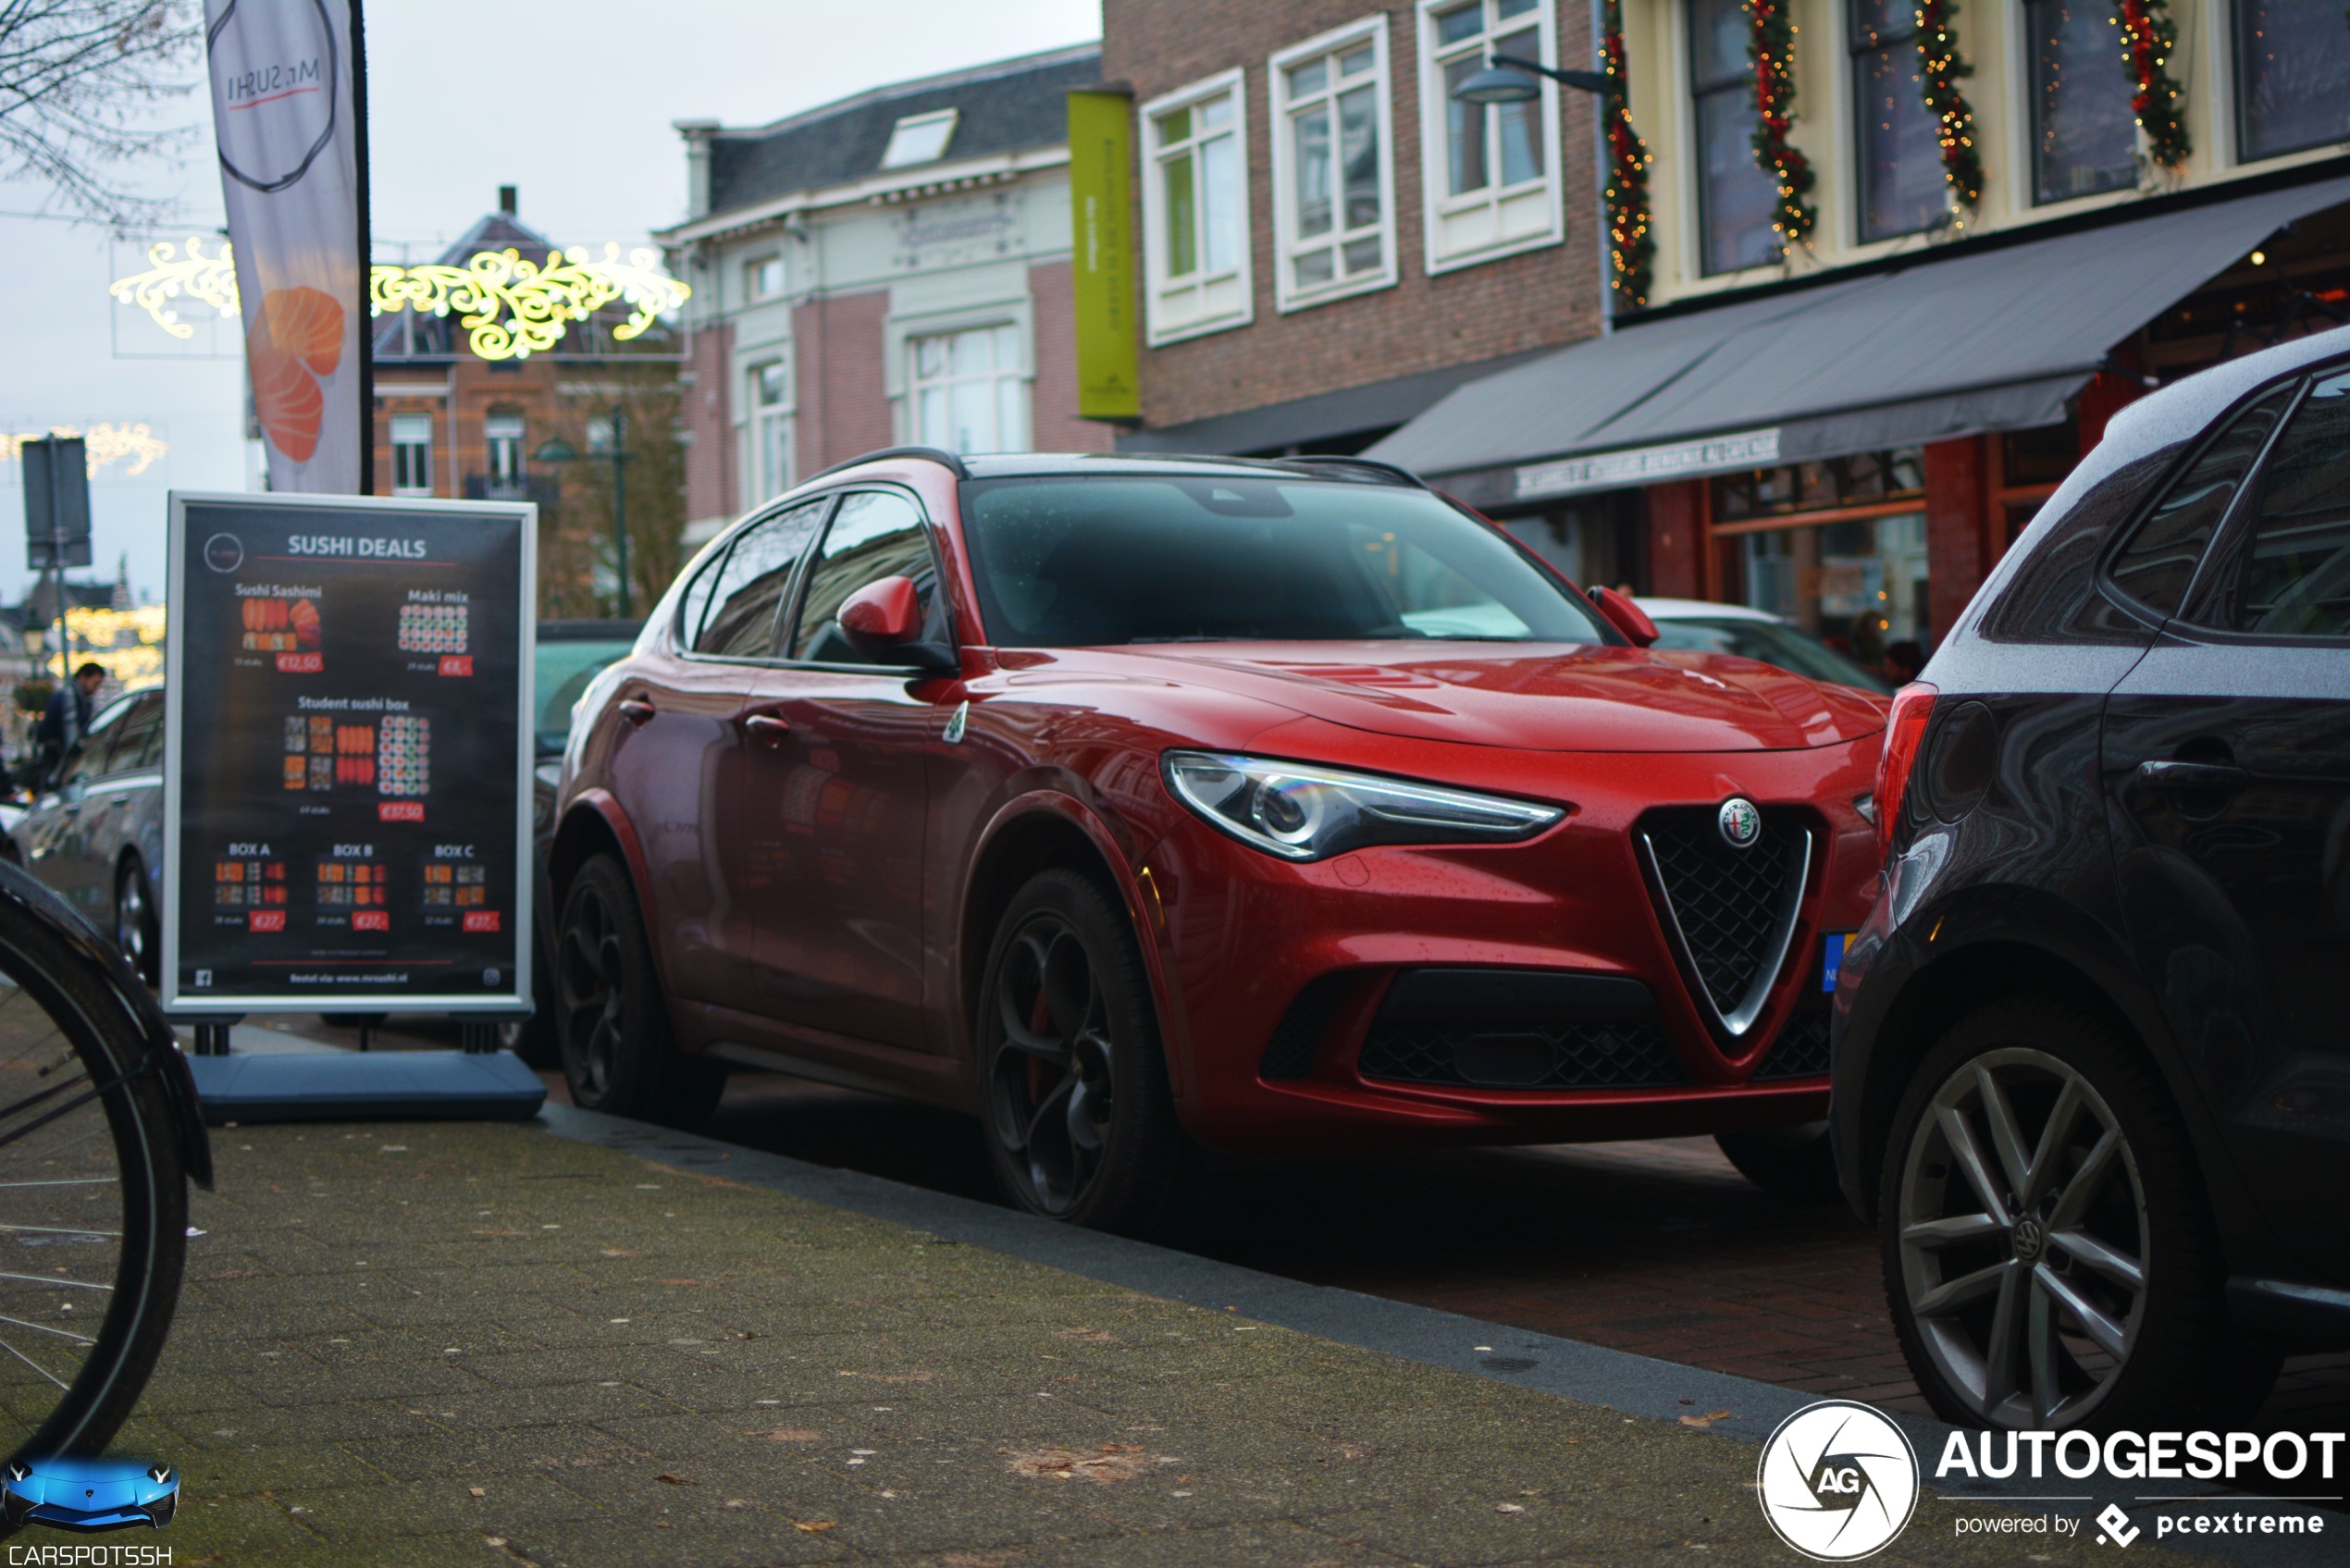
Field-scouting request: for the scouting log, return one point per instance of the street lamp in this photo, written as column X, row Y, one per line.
column 560, row 451
column 1507, row 78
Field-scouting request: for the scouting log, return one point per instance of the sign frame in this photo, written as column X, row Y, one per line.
column 510, row 1001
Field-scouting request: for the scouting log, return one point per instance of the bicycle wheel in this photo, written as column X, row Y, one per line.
column 97, row 1138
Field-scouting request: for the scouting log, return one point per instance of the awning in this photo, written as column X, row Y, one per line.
column 1952, row 346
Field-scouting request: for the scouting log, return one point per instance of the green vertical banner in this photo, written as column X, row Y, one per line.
column 1101, row 217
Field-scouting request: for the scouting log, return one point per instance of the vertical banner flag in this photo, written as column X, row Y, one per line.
column 1102, row 221
column 283, row 115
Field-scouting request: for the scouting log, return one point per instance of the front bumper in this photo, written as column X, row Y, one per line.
column 1288, row 986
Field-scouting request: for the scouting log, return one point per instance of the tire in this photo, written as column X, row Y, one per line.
column 1794, row 1162
column 1079, row 1123
column 2064, row 1282
column 95, row 1158
column 610, row 1020
column 136, row 933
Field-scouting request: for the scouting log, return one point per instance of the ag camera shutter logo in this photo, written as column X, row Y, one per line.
column 1838, row 1481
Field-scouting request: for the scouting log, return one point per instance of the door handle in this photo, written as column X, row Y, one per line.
column 637, row 712
column 2203, row 778
column 769, row 729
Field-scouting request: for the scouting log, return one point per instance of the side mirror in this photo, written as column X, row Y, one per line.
column 883, row 622
column 1625, row 616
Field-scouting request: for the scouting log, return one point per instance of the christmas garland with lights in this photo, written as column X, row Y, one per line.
column 1631, row 247
column 1771, row 48
column 1940, row 67
column 2148, row 39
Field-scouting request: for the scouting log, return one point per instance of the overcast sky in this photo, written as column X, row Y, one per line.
column 571, row 103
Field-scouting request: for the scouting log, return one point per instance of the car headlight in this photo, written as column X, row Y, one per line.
column 1303, row 813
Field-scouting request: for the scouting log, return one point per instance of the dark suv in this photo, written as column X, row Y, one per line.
column 2092, row 1050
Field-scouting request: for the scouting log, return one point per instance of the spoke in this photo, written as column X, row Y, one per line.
column 67, row 1181
column 2048, row 1159
column 2046, row 1389
column 1083, row 1133
column 1045, row 1109
column 2083, row 1188
column 1960, row 1134
column 30, row 1362
column 1933, row 1235
column 2116, row 1265
column 51, row 1092
column 2007, row 1135
column 2110, row 1335
column 1967, row 1289
column 64, row 1229
column 1999, row 1370
column 52, row 1279
column 44, row 1329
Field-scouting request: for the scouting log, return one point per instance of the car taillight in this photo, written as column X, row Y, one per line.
column 1904, row 731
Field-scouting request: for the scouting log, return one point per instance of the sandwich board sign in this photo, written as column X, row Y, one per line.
column 348, row 746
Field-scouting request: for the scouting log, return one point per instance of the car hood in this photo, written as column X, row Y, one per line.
column 1537, row 698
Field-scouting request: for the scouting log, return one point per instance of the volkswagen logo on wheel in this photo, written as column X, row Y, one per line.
column 1838, row 1480
column 1740, row 822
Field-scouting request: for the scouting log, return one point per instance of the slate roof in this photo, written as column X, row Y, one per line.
column 1006, row 106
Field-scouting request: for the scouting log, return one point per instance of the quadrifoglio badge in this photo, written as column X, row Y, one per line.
column 1839, row 1481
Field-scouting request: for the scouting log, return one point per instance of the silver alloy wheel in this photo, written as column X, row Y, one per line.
column 1052, row 1093
column 130, row 919
column 2024, row 1240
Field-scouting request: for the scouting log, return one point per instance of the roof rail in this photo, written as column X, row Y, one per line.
column 1368, row 466
column 945, row 459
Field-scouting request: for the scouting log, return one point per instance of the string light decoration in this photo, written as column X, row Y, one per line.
column 2148, row 39
column 209, row 280
column 511, row 307
column 1941, row 67
column 1771, row 48
column 1631, row 249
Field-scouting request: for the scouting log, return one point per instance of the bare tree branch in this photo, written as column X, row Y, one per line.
column 79, row 81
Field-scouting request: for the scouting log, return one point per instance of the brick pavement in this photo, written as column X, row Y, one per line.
column 451, row 1343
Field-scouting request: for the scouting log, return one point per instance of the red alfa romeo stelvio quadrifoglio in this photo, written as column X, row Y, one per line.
column 1142, row 805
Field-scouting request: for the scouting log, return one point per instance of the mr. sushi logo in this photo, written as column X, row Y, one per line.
column 1838, row 1481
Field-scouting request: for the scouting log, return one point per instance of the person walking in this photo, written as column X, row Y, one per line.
column 67, row 721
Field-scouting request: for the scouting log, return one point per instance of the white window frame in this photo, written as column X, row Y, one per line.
column 1158, row 286
column 1015, row 376
column 752, row 293
column 1287, row 295
column 1437, row 203
column 764, row 486
column 392, row 429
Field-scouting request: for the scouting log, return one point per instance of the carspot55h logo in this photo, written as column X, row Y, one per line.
column 1838, row 1481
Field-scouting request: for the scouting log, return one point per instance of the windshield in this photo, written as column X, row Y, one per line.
column 562, row 673
column 1098, row 560
column 1768, row 642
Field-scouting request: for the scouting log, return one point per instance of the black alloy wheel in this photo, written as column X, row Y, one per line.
column 1794, row 1162
column 2050, row 1255
column 1081, row 1126
column 611, row 1021
column 134, row 921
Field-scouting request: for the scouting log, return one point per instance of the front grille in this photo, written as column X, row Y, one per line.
column 1802, row 1049
column 1730, row 910
column 1581, row 1056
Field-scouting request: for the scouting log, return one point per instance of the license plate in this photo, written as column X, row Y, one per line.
column 1832, row 957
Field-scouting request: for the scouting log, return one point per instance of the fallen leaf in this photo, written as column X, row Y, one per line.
column 893, row 1376
column 1089, row 1335
column 675, row 1480
column 620, row 1253
column 1509, row 1508
column 476, row 1492
column 786, row 1434
column 1115, row 1461
column 737, row 1503
column 979, row 1559
column 811, row 1526
column 1708, row 1419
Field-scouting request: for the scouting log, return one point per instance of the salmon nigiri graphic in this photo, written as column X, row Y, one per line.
column 295, row 340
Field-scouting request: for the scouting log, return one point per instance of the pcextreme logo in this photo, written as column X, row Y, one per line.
column 1838, row 1481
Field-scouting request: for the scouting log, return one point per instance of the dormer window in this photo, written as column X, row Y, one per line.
column 920, row 139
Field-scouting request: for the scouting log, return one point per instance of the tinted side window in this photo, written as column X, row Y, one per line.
column 89, row 759
column 139, row 743
column 2291, row 576
column 2159, row 563
column 748, row 593
column 875, row 533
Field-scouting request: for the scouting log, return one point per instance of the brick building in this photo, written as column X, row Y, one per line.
column 1328, row 246
column 890, row 269
column 452, row 422
column 1850, row 424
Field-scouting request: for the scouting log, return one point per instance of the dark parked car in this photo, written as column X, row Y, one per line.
column 2092, row 1070
column 1285, row 805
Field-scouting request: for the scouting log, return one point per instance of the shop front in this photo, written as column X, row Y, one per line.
column 1855, row 452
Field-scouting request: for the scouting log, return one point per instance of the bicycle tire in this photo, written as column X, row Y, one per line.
column 121, row 1118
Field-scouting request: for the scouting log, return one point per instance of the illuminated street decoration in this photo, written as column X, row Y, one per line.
column 510, row 307
column 103, row 445
column 513, row 307
column 205, row 279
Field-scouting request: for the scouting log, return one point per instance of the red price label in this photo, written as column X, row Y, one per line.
column 371, row 919
column 301, row 663
column 481, row 919
column 400, row 810
column 265, row 920
column 456, row 663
